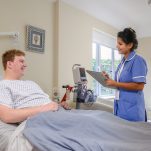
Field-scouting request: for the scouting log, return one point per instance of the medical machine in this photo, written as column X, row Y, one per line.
column 79, row 74
column 80, row 93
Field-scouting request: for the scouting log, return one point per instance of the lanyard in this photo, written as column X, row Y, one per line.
column 117, row 92
column 120, row 70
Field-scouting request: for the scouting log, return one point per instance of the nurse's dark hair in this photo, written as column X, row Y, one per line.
column 128, row 35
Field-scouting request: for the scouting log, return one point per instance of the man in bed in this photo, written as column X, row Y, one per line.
column 21, row 99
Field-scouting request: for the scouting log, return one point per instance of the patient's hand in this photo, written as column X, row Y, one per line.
column 53, row 106
column 65, row 105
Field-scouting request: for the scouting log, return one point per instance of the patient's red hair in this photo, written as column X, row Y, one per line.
column 10, row 55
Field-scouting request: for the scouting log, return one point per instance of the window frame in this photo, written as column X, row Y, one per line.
column 98, row 68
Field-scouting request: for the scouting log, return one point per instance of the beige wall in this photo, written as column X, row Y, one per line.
column 144, row 50
column 68, row 38
column 75, row 40
column 15, row 15
column 74, row 44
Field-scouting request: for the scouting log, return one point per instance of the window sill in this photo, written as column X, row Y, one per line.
column 107, row 101
column 106, row 97
column 98, row 106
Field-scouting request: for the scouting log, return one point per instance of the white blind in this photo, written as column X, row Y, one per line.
column 104, row 39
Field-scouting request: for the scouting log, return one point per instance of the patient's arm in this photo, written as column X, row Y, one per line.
column 9, row 115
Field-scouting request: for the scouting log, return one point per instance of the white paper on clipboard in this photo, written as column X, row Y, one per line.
column 99, row 77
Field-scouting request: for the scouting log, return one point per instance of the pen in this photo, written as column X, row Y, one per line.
column 105, row 75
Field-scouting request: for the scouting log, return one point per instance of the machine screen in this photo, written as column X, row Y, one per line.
column 82, row 73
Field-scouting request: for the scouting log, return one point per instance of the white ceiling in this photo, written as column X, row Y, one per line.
column 119, row 13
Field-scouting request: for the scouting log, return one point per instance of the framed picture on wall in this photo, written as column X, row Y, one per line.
column 35, row 39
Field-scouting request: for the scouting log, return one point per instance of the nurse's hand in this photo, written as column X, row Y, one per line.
column 110, row 82
column 105, row 74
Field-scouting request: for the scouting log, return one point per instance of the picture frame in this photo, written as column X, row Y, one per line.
column 35, row 39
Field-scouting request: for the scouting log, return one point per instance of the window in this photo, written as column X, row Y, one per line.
column 105, row 57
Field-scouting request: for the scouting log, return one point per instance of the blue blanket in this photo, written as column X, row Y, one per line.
column 85, row 130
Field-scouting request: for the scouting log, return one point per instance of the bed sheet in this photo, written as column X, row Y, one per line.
column 86, row 130
column 6, row 130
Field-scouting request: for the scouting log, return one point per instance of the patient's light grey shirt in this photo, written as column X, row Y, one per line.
column 21, row 94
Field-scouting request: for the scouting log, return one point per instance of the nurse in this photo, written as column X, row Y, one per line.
column 130, row 78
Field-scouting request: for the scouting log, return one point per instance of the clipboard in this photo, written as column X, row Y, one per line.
column 99, row 77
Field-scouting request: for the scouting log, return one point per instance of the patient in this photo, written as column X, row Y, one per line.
column 21, row 99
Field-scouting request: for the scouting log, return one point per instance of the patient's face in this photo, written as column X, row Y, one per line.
column 18, row 66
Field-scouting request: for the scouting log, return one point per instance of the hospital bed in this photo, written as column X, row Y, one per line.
column 79, row 130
